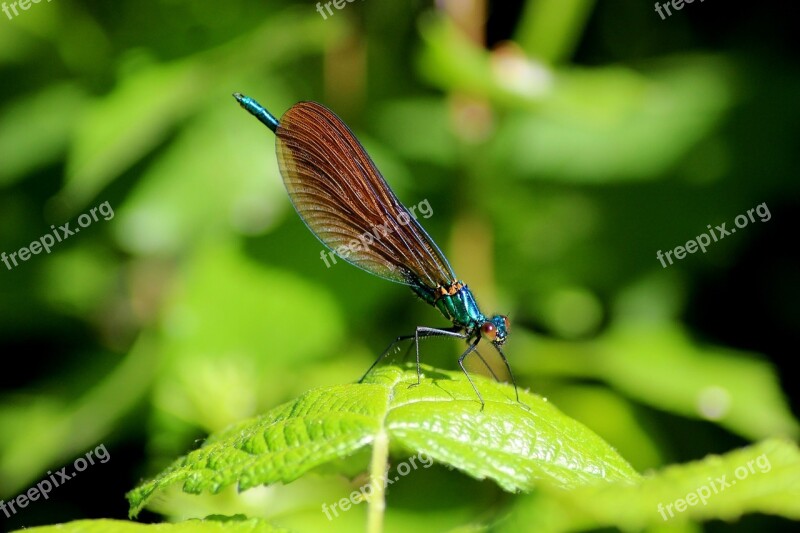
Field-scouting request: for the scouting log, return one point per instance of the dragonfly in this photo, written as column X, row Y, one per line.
column 341, row 195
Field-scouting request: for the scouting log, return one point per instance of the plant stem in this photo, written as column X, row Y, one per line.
column 377, row 472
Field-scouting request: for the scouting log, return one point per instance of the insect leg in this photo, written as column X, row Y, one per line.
column 469, row 350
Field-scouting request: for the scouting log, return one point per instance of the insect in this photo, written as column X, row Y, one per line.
column 340, row 195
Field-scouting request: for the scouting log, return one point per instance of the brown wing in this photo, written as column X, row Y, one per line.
column 343, row 199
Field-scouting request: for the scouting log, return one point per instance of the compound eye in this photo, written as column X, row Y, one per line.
column 489, row 331
column 507, row 323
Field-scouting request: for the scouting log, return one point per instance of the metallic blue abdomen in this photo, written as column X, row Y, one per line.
column 456, row 303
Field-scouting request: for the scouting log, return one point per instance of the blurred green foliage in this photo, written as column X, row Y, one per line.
column 558, row 158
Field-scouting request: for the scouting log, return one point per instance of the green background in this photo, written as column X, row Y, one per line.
column 560, row 144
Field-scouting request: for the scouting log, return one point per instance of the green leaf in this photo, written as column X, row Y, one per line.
column 119, row 129
column 504, row 441
column 764, row 478
column 42, row 430
column 625, row 124
column 660, row 365
column 619, row 424
column 34, row 130
column 582, row 125
column 550, row 30
column 215, row 177
column 151, row 99
column 209, row 525
column 663, row 367
column 398, row 124
column 452, row 62
column 221, row 365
